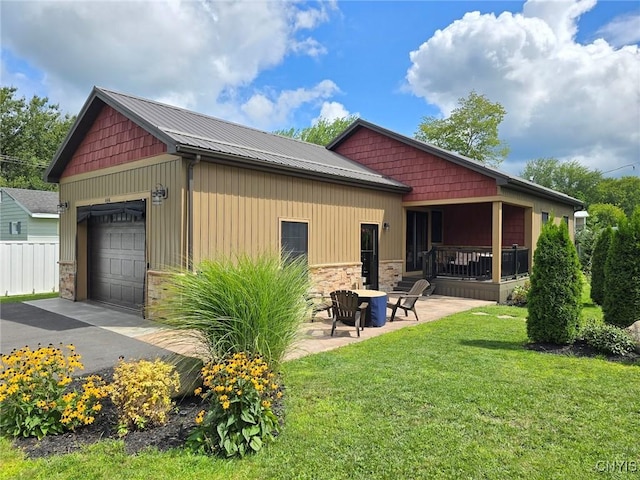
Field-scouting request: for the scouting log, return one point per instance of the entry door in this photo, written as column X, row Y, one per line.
column 369, row 254
column 417, row 240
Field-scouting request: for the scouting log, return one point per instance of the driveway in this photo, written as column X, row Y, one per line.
column 101, row 335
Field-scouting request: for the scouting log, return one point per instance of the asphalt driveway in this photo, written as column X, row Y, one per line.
column 101, row 334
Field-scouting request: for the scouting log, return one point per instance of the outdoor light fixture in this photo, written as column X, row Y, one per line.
column 158, row 194
column 386, row 226
column 63, row 207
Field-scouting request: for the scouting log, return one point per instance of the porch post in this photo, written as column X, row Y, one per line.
column 496, row 242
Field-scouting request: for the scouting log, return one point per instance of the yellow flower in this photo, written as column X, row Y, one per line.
column 225, row 405
column 200, row 417
column 266, row 403
column 197, row 391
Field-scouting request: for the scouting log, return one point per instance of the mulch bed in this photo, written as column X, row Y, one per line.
column 581, row 349
column 164, row 437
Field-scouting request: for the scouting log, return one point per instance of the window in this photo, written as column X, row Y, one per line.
column 545, row 217
column 436, row 226
column 566, row 220
column 14, row 228
column 294, row 238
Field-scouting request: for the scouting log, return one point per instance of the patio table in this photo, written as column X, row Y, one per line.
column 377, row 310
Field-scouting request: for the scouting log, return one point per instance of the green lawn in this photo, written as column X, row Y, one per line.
column 455, row 398
column 28, row 298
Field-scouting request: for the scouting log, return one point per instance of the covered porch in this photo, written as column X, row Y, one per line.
column 476, row 249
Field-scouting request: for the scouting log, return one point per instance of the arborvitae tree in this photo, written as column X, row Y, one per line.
column 598, row 261
column 554, row 302
column 621, row 305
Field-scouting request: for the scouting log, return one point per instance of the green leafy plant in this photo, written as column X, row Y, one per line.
column 240, row 392
column 243, row 304
column 520, row 294
column 621, row 305
column 607, row 339
column 141, row 391
column 554, row 302
column 35, row 398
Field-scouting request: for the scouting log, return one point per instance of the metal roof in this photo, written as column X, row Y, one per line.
column 184, row 131
column 34, row 201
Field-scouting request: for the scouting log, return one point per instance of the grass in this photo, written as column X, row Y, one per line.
column 28, row 298
column 455, row 398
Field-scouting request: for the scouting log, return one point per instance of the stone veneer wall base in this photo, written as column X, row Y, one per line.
column 67, row 280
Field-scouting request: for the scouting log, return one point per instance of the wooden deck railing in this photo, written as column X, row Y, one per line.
column 474, row 262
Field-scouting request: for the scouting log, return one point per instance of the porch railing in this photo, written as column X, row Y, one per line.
column 474, row 262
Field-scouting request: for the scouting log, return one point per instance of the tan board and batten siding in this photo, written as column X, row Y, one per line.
column 165, row 235
column 240, row 210
column 236, row 210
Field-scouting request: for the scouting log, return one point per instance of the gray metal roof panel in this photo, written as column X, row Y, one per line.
column 193, row 129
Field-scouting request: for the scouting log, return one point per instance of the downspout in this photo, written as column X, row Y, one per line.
column 192, row 164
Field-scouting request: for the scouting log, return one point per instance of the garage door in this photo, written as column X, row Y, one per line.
column 117, row 262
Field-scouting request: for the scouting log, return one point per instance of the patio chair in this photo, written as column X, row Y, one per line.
column 346, row 308
column 407, row 300
column 320, row 304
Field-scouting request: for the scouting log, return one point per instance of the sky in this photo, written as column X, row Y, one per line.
column 567, row 72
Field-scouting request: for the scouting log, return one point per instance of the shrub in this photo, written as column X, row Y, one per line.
column 598, row 262
column 253, row 305
column 607, row 339
column 621, row 305
column 240, row 392
column 554, row 302
column 520, row 294
column 35, row 397
column 585, row 242
column 141, row 391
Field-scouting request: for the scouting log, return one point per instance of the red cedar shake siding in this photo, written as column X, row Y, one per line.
column 432, row 178
column 112, row 140
column 476, row 219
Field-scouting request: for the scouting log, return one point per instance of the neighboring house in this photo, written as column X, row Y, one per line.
column 151, row 186
column 28, row 215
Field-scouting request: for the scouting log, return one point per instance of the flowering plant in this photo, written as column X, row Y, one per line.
column 34, row 396
column 240, row 391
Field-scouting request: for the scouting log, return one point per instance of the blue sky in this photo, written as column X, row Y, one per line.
column 567, row 72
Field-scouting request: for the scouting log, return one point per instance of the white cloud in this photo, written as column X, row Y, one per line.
column 331, row 111
column 196, row 54
column 562, row 98
column 266, row 109
column 622, row 30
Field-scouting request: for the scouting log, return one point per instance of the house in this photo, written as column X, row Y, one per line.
column 28, row 215
column 150, row 186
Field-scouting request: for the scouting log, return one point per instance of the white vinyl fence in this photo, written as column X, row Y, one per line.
column 29, row 267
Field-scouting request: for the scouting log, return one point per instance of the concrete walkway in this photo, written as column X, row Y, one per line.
column 111, row 332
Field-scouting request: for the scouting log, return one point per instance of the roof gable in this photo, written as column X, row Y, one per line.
column 501, row 178
column 34, row 202
column 189, row 133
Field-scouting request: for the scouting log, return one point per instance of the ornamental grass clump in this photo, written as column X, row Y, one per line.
column 141, row 391
column 241, row 304
column 35, row 396
column 240, row 392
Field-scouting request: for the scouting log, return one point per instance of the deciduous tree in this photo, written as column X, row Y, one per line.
column 322, row 132
column 471, row 130
column 30, row 134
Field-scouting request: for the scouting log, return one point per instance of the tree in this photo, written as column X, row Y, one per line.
column 30, row 134
column 570, row 178
column 471, row 130
column 623, row 192
column 621, row 306
column 322, row 132
column 554, row 301
column 598, row 262
column 603, row 215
